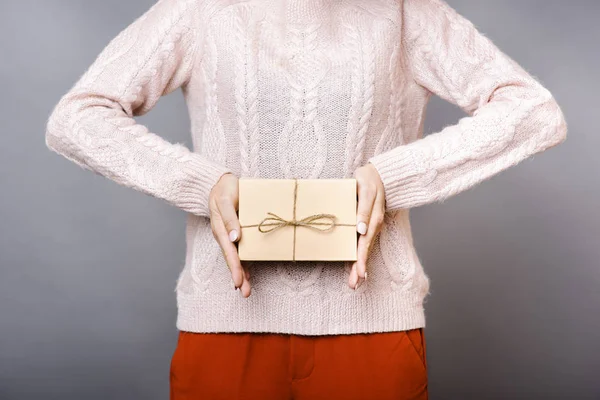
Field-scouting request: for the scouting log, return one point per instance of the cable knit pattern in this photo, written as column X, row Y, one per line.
column 246, row 90
column 304, row 89
column 363, row 84
column 307, row 67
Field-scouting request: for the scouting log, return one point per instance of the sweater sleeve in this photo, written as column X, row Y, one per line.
column 510, row 115
column 93, row 125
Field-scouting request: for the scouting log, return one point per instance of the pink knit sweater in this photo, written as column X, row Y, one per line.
column 304, row 89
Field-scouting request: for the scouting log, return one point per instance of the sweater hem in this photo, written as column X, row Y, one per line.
column 333, row 314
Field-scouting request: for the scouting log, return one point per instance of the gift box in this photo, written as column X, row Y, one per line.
column 297, row 219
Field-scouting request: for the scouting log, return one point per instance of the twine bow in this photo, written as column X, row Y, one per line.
column 319, row 222
column 312, row 221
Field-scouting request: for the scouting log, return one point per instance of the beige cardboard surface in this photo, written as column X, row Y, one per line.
column 314, row 196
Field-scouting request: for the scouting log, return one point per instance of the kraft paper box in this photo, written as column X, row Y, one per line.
column 297, row 219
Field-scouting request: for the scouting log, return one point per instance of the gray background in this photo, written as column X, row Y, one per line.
column 88, row 268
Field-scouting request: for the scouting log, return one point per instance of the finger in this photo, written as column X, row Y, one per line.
column 227, row 210
column 229, row 217
column 366, row 241
column 353, row 278
column 366, row 198
column 245, row 288
column 378, row 214
column 362, row 254
column 229, row 252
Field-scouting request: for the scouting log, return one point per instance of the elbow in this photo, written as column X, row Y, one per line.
column 549, row 124
column 57, row 127
column 558, row 127
column 71, row 126
column 52, row 140
column 561, row 127
column 60, row 134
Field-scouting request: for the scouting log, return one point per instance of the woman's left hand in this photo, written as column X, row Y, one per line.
column 370, row 214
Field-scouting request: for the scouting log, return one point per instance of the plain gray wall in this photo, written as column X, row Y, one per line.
column 88, row 267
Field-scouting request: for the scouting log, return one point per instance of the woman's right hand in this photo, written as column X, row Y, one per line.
column 223, row 205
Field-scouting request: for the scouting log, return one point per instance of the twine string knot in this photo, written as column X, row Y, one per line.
column 320, row 222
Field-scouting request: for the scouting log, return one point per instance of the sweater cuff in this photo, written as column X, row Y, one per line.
column 204, row 175
column 401, row 172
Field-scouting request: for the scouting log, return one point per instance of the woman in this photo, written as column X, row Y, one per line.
column 303, row 89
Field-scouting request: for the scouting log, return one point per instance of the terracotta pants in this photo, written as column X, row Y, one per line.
column 269, row 366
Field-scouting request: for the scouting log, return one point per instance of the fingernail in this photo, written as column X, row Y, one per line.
column 365, row 275
column 361, row 227
column 233, row 235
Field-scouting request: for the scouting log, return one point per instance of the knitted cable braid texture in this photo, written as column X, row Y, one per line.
column 304, row 89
